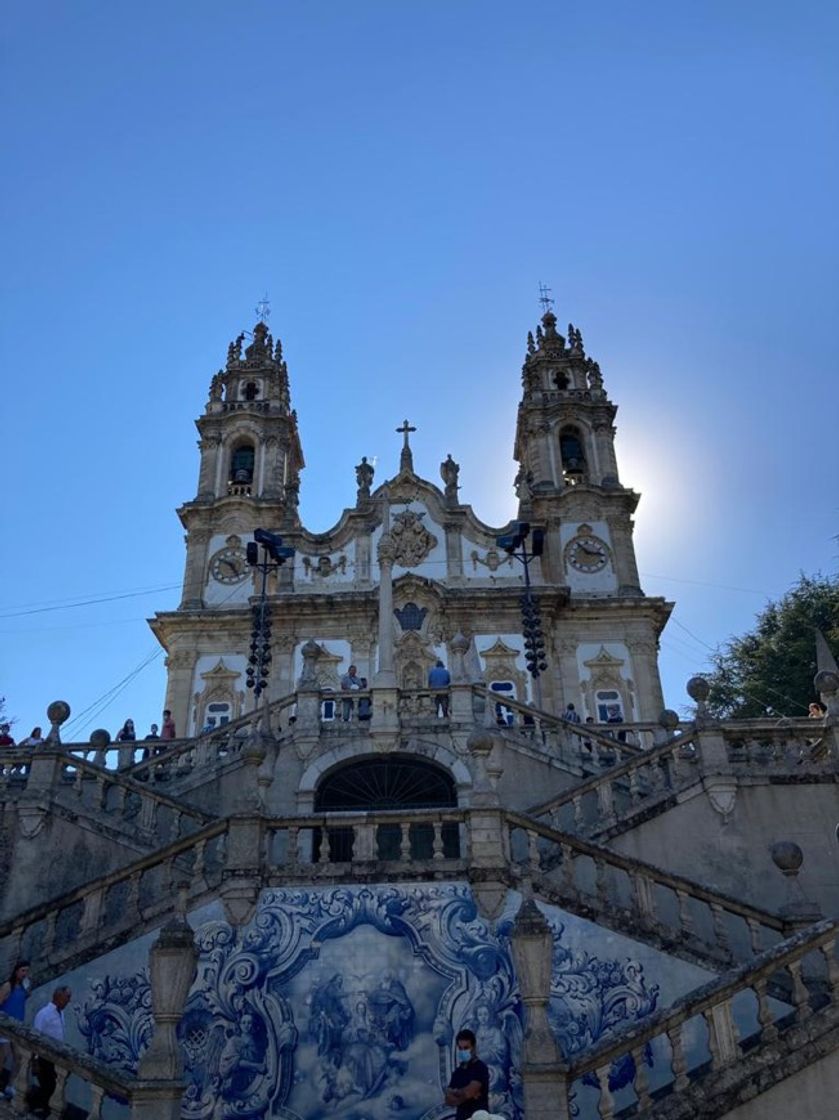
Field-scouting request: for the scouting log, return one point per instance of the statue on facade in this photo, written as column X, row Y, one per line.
column 216, row 386
column 449, row 471
column 364, row 477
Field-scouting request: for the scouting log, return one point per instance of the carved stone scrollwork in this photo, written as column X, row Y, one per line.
column 411, row 542
column 324, row 566
column 491, row 559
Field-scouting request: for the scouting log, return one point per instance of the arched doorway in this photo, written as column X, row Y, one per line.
column 395, row 783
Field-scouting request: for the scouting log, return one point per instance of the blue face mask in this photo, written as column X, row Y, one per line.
column 464, row 1055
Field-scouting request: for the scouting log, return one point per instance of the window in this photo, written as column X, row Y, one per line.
column 609, row 705
column 572, row 454
column 241, row 464
column 395, row 782
column 251, row 391
column 504, row 715
column 217, row 714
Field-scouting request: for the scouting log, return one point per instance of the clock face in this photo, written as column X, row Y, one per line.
column 587, row 554
column 229, row 565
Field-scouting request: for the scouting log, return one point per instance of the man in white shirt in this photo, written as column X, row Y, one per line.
column 50, row 1022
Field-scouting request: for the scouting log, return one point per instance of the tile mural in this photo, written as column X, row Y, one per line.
column 343, row 1003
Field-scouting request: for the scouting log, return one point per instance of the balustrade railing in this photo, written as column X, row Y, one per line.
column 679, row 913
column 627, row 787
column 772, row 745
column 80, row 1081
column 107, row 795
column 307, row 844
column 708, row 1030
column 123, row 902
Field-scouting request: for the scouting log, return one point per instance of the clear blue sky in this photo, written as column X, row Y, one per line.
column 399, row 176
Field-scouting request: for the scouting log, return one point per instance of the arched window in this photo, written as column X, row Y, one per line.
column 241, row 469
column 393, row 783
column 250, row 391
column 572, row 454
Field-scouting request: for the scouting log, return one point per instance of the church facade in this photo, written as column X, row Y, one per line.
column 411, row 569
column 425, row 783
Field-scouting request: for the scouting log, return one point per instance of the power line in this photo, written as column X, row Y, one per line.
column 89, row 602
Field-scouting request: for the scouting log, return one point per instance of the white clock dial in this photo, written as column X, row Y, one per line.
column 587, row 554
column 229, row 565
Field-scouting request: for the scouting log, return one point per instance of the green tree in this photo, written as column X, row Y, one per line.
column 770, row 670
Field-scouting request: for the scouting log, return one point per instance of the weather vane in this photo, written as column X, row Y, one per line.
column 545, row 297
column 263, row 310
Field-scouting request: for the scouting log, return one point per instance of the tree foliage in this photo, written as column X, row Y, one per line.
column 770, row 670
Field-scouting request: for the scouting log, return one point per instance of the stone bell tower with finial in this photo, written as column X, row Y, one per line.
column 568, row 485
column 251, row 460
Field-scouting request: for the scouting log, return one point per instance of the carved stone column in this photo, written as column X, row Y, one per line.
column 489, row 847
column 160, row 1083
column 645, row 672
column 385, row 676
column 194, row 569
column 545, row 1088
column 208, row 447
column 626, row 568
column 180, row 666
column 460, row 691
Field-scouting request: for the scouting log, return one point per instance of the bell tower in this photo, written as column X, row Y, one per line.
column 568, row 472
column 251, row 459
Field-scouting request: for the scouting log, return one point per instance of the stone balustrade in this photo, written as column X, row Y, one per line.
column 80, row 1080
column 107, row 795
column 628, row 787
column 340, row 842
column 337, row 847
column 680, row 915
column 778, row 745
column 708, row 1030
column 87, row 921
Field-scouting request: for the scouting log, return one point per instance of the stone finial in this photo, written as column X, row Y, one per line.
column 57, row 713
column 278, row 352
column 234, row 351
column 100, row 741
column 669, row 720
column 595, row 378
column 216, row 387
column 308, row 678
column 787, row 857
column 798, row 910
column 698, row 690
column 826, row 680
column 531, row 345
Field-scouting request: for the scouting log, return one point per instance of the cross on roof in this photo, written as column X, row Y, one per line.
column 406, row 459
column 263, row 310
column 405, row 429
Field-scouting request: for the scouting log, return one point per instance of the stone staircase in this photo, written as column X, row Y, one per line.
column 701, row 1058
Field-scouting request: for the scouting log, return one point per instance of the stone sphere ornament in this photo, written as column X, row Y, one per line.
column 100, row 738
column 787, row 857
column 668, row 719
column 826, row 681
column 58, row 712
column 698, row 689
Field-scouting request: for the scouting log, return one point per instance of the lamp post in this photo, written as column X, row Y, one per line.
column 514, row 543
column 274, row 555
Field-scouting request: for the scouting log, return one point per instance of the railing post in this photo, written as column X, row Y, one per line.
column 160, row 1084
column 241, row 877
column 488, row 841
column 545, row 1087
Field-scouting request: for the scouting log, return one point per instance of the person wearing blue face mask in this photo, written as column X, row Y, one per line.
column 469, row 1085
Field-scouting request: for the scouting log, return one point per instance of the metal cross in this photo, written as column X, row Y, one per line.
column 405, row 429
column 263, row 309
column 545, row 297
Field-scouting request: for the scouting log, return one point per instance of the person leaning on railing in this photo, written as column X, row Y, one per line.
column 13, row 996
